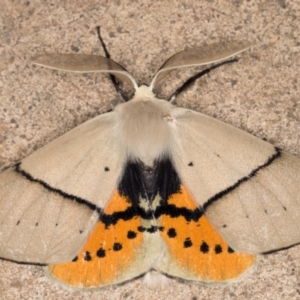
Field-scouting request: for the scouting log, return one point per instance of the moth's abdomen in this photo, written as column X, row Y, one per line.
column 144, row 128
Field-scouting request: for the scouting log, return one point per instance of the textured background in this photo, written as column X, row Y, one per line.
column 260, row 94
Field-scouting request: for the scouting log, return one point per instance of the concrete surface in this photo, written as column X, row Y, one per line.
column 260, row 94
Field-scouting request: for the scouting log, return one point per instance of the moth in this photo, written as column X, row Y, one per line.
column 149, row 186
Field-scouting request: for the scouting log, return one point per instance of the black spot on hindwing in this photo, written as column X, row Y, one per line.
column 141, row 182
column 218, row 249
column 187, row 243
column 117, row 247
column 230, row 250
column 87, row 256
column 131, row 235
column 204, row 248
column 172, row 233
column 101, row 252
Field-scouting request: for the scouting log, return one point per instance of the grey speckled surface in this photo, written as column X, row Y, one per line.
column 260, row 94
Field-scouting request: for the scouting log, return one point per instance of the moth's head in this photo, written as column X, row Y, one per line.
column 143, row 91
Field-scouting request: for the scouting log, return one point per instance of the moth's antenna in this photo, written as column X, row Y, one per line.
column 191, row 80
column 115, row 82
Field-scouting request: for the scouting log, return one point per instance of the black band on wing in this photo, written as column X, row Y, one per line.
column 139, row 182
column 226, row 191
column 61, row 193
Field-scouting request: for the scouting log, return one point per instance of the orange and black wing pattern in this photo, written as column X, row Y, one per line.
column 152, row 222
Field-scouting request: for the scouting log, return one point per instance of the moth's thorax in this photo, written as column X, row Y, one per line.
column 143, row 126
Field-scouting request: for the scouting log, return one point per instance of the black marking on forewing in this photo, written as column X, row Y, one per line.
column 226, row 191
column 61, row 193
